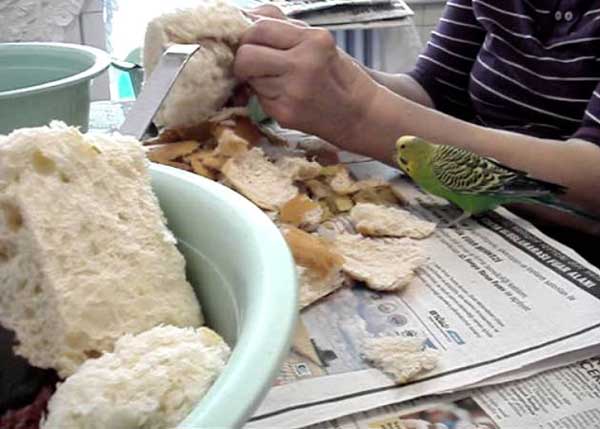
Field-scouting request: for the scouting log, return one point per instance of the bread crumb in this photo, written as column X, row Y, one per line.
column 402, row 358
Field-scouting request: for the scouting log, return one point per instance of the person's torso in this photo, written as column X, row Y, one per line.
column 539, row 65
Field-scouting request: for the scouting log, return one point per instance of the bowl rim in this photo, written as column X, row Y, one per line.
column 272, row 350
column 102, row 61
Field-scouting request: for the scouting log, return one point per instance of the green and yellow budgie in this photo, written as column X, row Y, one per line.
column 471, row 182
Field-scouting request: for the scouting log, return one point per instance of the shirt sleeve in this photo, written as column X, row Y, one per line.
column 444, row 67
column 590, row 126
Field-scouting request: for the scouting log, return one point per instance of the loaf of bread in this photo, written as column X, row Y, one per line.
column 152, row 380
column 85, row 255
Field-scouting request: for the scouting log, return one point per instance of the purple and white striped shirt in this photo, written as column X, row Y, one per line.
column 530, row 66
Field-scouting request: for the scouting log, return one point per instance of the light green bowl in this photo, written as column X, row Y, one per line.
column 245, row 279
column 40, row 82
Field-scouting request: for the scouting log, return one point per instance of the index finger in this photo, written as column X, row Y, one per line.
column 274, row 34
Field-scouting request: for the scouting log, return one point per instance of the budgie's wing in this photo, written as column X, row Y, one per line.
column 464, row 172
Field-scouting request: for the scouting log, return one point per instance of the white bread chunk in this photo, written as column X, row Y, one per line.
column 258, row 179
column 314, row 286
column 207, row 80
column 342, row 183
column 384, row 264
column 402, row 358
column 299, row 168
column 85, row 255
column 302, row 212
column 386, row 221
column 152, row 380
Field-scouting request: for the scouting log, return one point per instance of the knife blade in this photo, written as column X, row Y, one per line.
column 156, row 88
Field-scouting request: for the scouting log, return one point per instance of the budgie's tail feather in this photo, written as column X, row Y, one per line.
column 551, row 201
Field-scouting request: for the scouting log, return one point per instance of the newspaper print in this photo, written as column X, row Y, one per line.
column 561, row 398
column 483, row 282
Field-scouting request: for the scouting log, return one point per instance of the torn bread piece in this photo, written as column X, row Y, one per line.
column 402, row 358
column 339, row 203
column 200, row 169
column 229, row 144
column 89, row 256
column 342, row 183
column 381, row 221
column 171, row 151
column 299, row 168
column 207, row 80
column 318, row 189
column 200, row 133
column 311, row 251
column 384, row 264
column 259, row 180
column 314, row 286
column 302, row 212
column 377, row 195
column 208, row 158
column 240, row 125
column 151, row 380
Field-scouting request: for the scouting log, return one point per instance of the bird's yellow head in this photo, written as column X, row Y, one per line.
column 411, row 152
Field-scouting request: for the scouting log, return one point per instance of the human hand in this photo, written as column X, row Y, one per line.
column 302, row 80
column 274, row 12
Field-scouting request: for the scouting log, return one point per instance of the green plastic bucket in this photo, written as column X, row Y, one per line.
column 41, row 82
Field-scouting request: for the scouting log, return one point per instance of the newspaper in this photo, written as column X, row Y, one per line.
column 563, row 398
column 395, row 23
column 499, row 300
column 345, row 12
column 297, row 7
column 495, row 296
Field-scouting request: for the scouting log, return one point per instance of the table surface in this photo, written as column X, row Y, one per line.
column 107, row 116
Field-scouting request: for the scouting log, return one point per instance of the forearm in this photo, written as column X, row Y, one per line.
column 388, row 116
column 403, row 85
column 399, row 83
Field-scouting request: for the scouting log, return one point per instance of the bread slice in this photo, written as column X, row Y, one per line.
column 385, row 264
column 314, row 286
column 151, row 380
column 254, row 176
column 85, row 255
column 402, row 358
column 385, row 221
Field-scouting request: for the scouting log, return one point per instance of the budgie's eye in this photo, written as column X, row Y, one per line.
column 403, row 146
